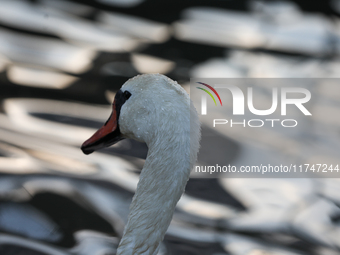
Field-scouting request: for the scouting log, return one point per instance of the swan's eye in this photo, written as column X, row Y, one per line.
column 127, row 94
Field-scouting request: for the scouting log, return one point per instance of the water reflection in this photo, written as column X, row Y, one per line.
column 35, row 50
column 55, row 200
column 39, row 78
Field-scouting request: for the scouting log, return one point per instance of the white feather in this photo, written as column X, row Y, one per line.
column 159, row 113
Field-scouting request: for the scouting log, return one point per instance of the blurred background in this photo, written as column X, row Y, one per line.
column 61, row 63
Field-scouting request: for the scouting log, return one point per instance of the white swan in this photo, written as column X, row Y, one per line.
column 154, row 109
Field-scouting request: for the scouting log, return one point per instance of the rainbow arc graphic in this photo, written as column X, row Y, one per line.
column 213, row 90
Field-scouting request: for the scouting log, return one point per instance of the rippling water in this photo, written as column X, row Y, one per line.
column 61, row 63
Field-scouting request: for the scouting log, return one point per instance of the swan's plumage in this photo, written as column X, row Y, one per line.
column 159, row 112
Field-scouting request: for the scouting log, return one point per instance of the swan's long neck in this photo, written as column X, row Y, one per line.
column 161, row 185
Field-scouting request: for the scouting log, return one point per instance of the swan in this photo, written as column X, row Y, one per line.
column 154, row 109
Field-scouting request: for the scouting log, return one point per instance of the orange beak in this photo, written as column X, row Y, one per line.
column 107, row 135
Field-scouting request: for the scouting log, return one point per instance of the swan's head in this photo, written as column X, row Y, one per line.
column 148, row 108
